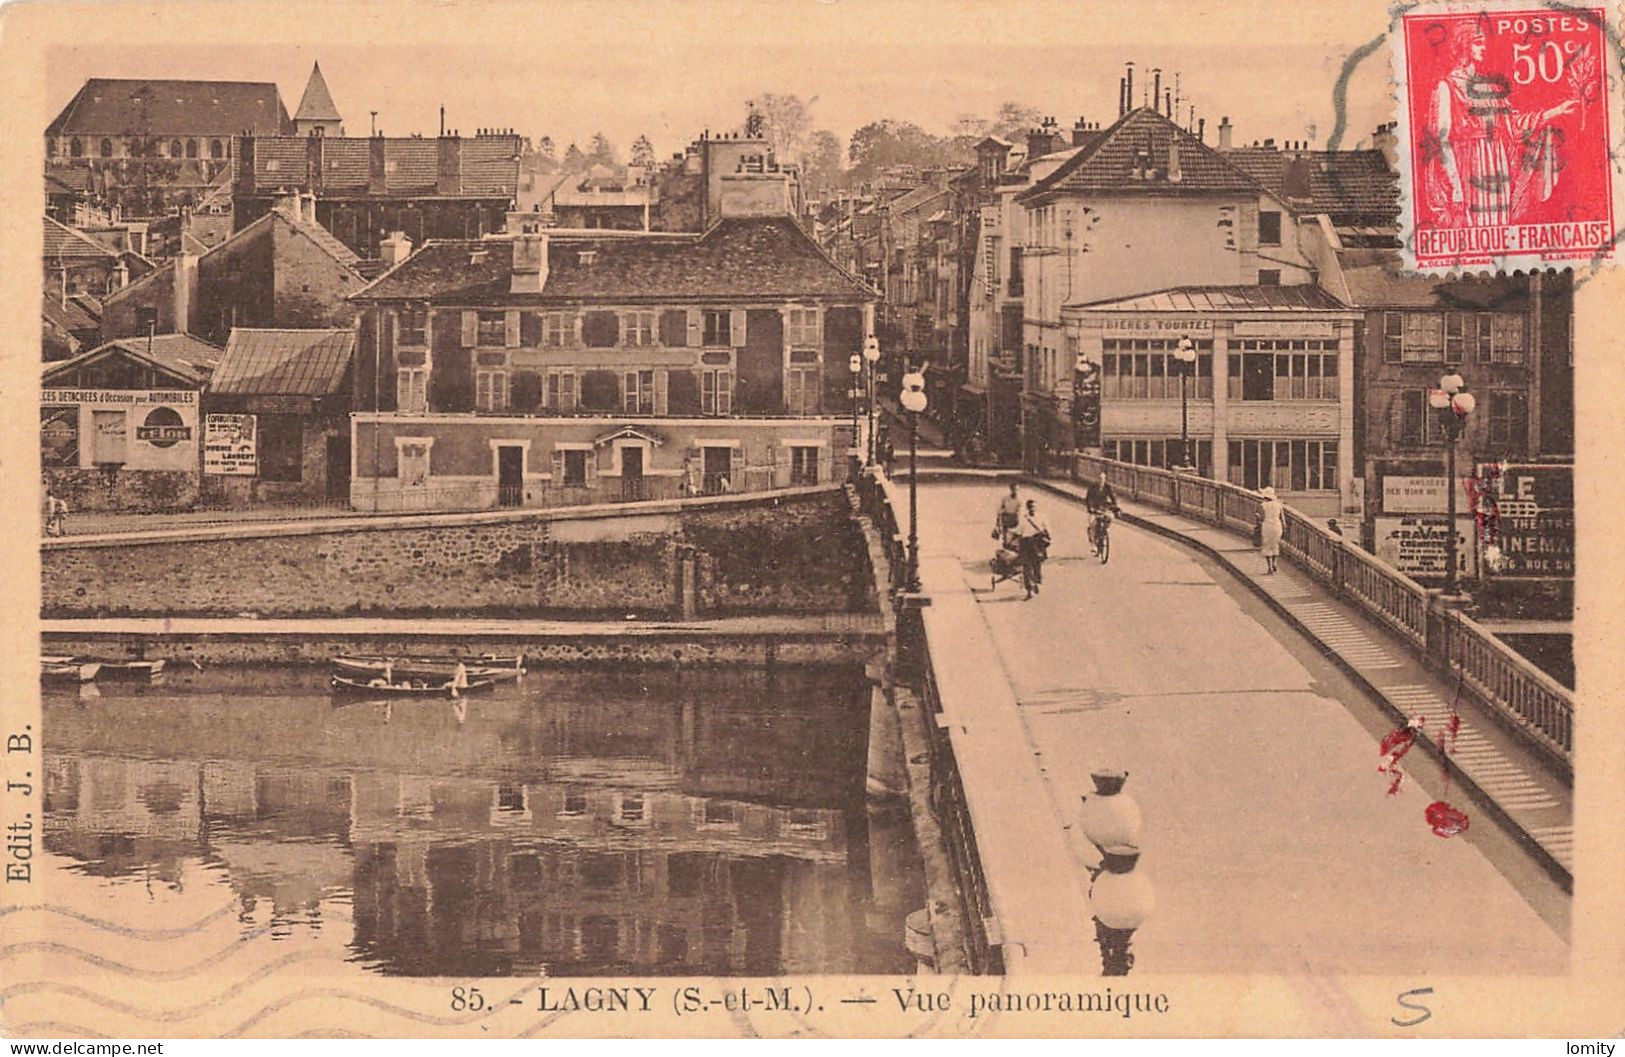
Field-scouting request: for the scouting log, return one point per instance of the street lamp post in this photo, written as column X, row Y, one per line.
column 913, row 400
column 854, row 364
column 1121, row 896
column 1185, row 353
column 1453, row 403
column 871, row 356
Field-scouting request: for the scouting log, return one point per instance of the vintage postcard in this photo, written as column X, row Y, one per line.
column 812, row 519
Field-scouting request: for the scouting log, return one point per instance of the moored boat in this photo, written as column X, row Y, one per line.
column 132, row 669
column 68, row 670
column 426, row 669
column 419, row 688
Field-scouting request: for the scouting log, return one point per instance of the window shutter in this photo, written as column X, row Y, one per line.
column 510, row 328
column 1485, row 338
column 558, row 467
column 592, row 468
column 725, row 392
column 629, row 393
column 661, row 389
column 773, row 466
column 471, row 328
column 736, row 469
column 696, row 329
column 736, row 327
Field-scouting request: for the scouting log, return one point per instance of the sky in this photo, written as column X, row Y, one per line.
column 568, row 69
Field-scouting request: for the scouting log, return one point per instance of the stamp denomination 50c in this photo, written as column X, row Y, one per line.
column 1507, row 135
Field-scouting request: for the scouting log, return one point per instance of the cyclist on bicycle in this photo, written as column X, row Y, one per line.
column 1099, row 499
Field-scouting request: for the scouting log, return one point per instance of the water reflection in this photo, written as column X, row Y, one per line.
column 578, row 824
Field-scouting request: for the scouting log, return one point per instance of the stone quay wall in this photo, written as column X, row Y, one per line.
column 796, row 551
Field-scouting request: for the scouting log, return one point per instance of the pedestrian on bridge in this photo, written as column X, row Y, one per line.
column 1009, row 513
column 1273, row 526
column 1033, row 533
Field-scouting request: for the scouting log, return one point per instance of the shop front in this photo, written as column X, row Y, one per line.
column 1258, row 379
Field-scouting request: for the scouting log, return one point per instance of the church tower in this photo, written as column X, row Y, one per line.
column 317, row 116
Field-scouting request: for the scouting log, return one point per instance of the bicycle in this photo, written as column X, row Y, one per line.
column 1100, row 535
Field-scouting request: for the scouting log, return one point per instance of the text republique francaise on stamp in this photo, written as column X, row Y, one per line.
column 1508, row 134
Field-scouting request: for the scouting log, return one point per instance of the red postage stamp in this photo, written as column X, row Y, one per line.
column 1507, row 135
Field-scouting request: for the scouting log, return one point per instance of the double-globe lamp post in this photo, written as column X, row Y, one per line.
column 1453, row 403
column 871, row 356
column 1185, row 353
column 1120, row 895
column 913, row 400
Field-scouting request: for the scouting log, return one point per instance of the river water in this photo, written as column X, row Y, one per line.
column 581, row 823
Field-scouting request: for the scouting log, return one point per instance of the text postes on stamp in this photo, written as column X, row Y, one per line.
column 1506, row 135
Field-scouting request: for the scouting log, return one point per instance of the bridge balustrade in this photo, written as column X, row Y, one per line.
column 1530, row 700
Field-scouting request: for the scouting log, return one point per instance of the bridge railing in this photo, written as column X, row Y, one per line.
column 876, row 499
column 1526, row 697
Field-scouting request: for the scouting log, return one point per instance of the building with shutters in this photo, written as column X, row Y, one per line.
column 552, row 367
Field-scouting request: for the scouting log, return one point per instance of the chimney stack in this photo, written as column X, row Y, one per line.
column 1168, row 103
column 1129, row 92
column 1224, row 133
column 1384, row 140
column 1156, row 88
column 1122, row 97
column 185, row 286
column 1174, row 173
column 529, row 272
column 395, row 249
column 1080, row 132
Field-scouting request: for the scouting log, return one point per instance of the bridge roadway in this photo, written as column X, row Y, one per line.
column 1268, row 834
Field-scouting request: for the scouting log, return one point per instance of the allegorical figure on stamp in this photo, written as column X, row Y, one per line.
column 1492, row 162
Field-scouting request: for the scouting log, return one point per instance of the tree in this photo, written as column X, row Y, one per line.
column 546, row 148
column 784, row 120
column 1013, row 120
column 574, row 160
column 643, row 152
column 821, row 166
column 888, row 142
column 602, row 151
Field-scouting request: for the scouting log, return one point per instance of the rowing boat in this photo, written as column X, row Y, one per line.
column 427, row 669
column 68, row 670
column 345, row 685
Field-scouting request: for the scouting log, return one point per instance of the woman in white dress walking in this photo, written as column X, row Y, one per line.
column 1273, row 525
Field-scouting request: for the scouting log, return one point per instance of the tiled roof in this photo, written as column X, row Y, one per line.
column 108, row 107
column 283, row 362
column 738, row 259
column 182, row 355
column 65, row 243
column 73, row 177
column 70, row 316
column 1335, row 182
column 489, row 164
column 323, row 238
column 317, row 102
column 344, row 164
column 416, row 165
column 1304, row 298
column 1106, row 165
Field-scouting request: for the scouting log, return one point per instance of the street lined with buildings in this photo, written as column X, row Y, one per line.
column 304, row 391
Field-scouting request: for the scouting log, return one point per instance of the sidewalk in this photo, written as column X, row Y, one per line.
column 1492, row 764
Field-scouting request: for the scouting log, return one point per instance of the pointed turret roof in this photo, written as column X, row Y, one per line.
column 317, row 103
